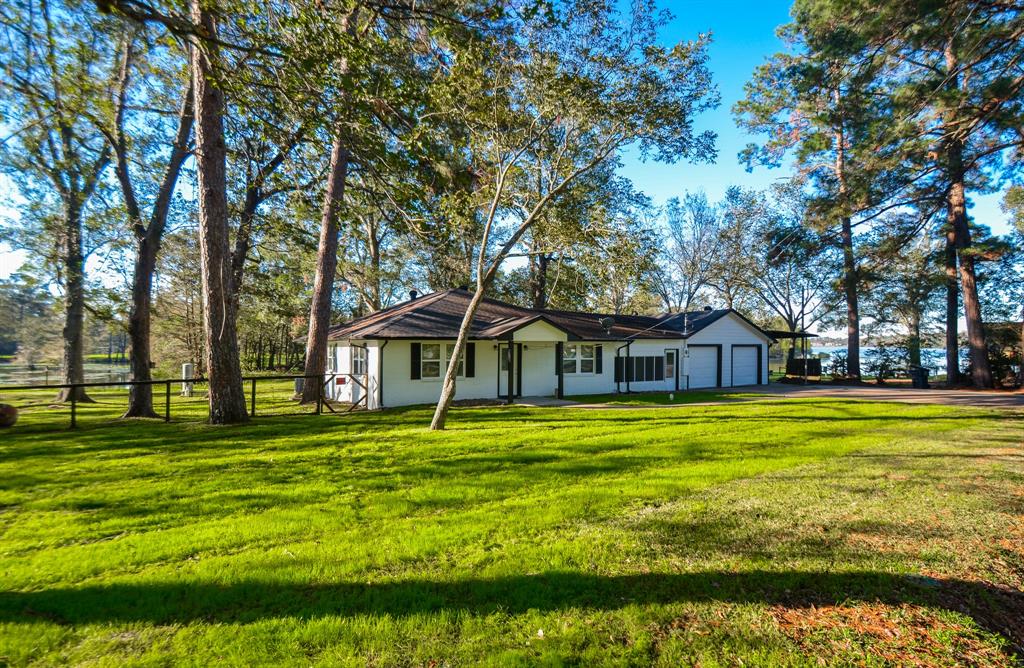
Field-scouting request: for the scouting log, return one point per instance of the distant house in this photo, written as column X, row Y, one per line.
column 398, row 356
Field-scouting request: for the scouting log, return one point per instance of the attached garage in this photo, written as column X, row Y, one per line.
column 705, row 366
column 746, row 363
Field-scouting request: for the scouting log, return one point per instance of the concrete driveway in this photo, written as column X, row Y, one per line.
column 976, row 399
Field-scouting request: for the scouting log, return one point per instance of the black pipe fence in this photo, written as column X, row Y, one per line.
column 178, row 399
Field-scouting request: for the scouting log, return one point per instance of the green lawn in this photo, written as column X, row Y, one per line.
column 767, row 533
column 663, row 398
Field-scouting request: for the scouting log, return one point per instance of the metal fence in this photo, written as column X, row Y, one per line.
column 173, row 400
column 43, row 374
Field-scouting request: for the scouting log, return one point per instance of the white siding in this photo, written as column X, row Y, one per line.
column 593, row 383
column 401, row 390
column 539, row 331
column 539, row 377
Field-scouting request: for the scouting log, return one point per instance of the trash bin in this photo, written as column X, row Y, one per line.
column 919, row 377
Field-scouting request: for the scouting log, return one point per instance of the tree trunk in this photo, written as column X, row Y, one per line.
column 1020, row 369
column 74, row 304
column 849, row 260
column 952, row 313
column 227, row 397
column 539, row 284
column 852, row 305
column 451, row 371
column 914, row 344
column 981, row 372
column 373, row 241
column 326, row 266
column 140, row 397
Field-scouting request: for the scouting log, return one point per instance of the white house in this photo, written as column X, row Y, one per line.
column 398, row 356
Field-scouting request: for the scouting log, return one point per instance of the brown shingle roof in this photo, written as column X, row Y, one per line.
column 439, row 315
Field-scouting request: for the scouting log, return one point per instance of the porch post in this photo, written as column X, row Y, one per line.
column 558, row 370
column 511, row 359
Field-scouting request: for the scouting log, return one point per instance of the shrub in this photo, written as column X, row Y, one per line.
column 884, row 361
column 838, row 366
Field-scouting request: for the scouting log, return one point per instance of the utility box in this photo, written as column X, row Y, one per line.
column 187, row 374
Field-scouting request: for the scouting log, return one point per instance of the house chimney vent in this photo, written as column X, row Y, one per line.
column 413, row 295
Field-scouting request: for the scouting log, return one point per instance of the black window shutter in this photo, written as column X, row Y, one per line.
column 618, row 369
column 470, row 360
column 414, row 357
column 637, row 370
column 659, row 368
column 649, row 361
column 598, row 359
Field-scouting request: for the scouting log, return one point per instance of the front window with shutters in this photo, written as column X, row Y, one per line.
column 578, row 358
column 431, row 363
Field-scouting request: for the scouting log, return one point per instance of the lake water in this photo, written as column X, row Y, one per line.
column 933, row 358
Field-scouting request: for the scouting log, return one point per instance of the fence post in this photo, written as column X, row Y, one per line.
column 320, row 393
column 73, row 404
column 252, row 411
column 167, row 402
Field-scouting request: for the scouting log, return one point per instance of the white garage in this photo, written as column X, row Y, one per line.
column 746, row 365
column 704, row 366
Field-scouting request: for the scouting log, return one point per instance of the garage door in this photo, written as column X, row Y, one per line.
column 744, row 365
column 703, row 367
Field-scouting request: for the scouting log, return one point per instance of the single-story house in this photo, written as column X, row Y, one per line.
column 398, row 356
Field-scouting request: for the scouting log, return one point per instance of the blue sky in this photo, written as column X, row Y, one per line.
column 744, row 35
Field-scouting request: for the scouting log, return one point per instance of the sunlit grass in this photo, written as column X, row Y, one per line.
column 665, row 398
column 519, row 535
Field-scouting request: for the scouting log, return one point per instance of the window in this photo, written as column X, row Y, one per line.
column 358, row 361
column 639, row 369
column 504, row 353
column 670, row 364
column 578, row 358
column 449, row 351
column 430, row 360
column 331, row 352
column 569, row 358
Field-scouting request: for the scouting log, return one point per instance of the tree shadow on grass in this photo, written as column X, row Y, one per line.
column 996, row 609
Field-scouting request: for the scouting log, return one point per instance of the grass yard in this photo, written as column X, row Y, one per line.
column 765, row 532
column 664, row 398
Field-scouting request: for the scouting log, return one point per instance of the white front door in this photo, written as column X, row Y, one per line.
column 703, row 366
column 671, row 360
column 506, row 358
